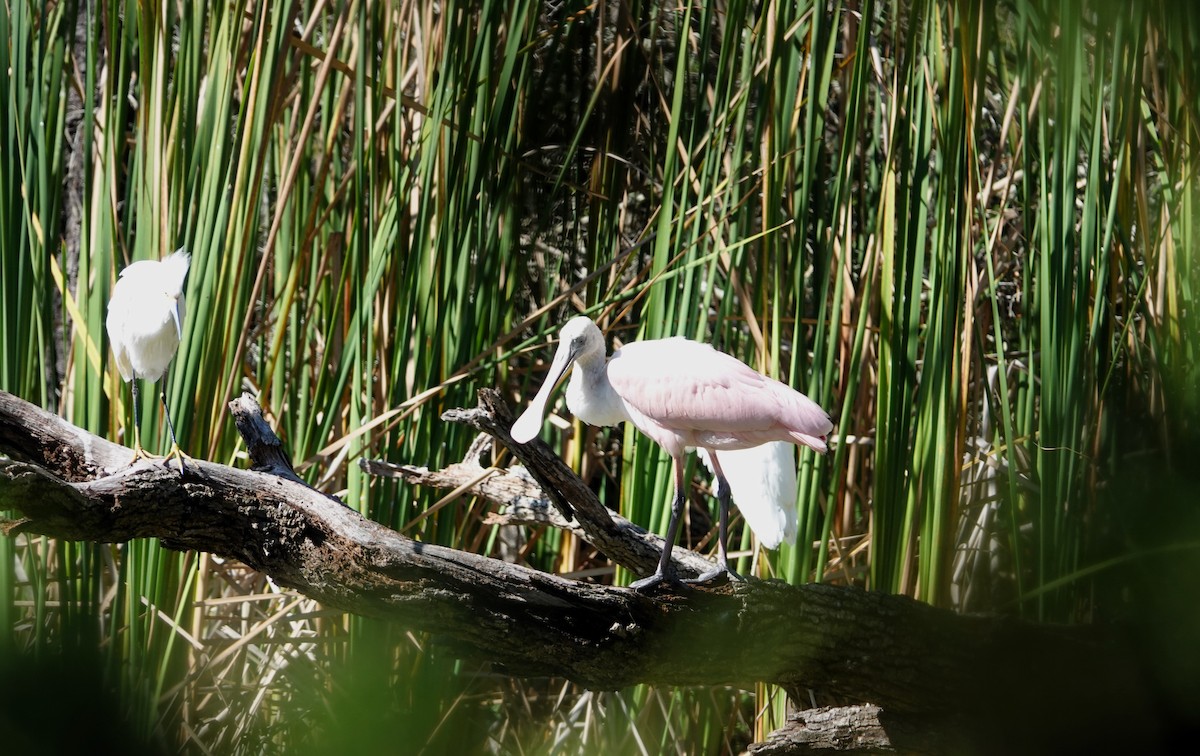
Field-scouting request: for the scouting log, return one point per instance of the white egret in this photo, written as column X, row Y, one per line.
column 683, row 395
column 145, row 326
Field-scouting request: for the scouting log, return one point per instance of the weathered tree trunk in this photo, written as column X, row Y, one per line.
column 966, row 683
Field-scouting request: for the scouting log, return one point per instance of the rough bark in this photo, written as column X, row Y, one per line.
column 863, row 730
column 993, row 684
column 523, row 501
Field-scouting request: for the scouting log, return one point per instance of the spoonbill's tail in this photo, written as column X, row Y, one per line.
column 762, row 480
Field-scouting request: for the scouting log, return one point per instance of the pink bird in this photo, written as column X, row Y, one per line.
column 683, row 395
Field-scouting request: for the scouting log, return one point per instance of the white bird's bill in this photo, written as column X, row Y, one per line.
column 762, row 482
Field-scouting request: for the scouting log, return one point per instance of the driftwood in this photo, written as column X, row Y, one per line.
column 522, row 500
column 938, row 682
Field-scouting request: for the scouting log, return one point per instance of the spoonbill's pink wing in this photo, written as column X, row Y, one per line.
column 710, row 398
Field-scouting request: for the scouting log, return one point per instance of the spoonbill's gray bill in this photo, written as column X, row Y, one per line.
column 145, row 325
column 683, row 395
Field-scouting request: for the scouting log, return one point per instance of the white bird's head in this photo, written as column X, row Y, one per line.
column 171, row 273
column 580, row 339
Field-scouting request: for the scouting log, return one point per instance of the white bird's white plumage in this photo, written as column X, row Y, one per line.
column 684, row 395
column 145, row 316
column 145, row 326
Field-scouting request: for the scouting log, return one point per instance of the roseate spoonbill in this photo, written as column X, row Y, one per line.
column 683, row 395
column 145, row 325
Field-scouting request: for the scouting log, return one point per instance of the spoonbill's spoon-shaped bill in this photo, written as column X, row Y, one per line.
column 145, row 326
column 683, row 395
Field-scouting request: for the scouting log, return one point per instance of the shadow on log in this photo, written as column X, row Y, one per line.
column 938, row 682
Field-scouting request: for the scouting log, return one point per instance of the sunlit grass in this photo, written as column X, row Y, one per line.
column 968, row 231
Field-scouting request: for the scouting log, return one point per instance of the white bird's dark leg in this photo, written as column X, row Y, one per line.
column 664, row 573
column 137, row 427
column 175, row 450
column 722, row 569
column 138, row 451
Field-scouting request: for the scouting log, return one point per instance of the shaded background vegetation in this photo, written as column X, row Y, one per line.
column 967, row 229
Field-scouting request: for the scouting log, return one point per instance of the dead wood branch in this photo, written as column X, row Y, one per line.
column 1008, row 685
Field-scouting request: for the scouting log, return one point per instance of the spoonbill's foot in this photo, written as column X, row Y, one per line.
column 718, row 575
column 654, row 582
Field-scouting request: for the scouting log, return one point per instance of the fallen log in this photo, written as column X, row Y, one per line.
column 983, row 684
